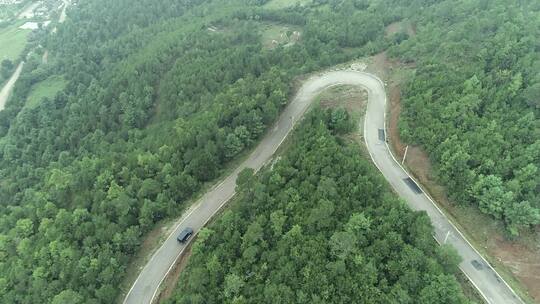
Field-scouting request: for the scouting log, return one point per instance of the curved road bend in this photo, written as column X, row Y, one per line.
column 482, row 275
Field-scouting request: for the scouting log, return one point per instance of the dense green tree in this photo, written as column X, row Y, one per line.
column 6, row 68
column 321, row 236
column 473, row 102
column 155, row 106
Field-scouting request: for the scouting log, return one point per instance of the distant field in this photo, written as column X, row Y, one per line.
column 276, row 4
column 274, row 34
column 46, row 88
column 12, row 41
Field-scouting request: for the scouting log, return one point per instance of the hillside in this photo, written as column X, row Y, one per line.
column 319, row 225
column 144, row 104
column 154, row 106
column 474, row 104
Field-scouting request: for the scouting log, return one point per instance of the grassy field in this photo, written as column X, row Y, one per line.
column 277, row 4
column 12, row 41
column 46, row 88
column 274, row 34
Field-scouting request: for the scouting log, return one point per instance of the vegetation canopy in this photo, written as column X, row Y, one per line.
column 148, row 101
column 319, row 226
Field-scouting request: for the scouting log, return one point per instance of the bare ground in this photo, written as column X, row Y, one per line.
column 393, row 28
column 171, row 281
column 6, row 90
column 400, row 26
column 517, row 260
column 352, row 98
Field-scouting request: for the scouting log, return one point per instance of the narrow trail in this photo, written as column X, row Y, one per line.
column 6, row 90
column 62, row 17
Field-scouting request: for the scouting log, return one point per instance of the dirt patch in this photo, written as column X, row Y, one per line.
column 526, row 266
column 171, row 281
column 28, row 12
column 394, row 93
column 275, row 34
column 45, row 57
column 352, row 98
column 217, row 29
column 404, row 26
column 393, row 28
column 380, row 65
column 518, row 261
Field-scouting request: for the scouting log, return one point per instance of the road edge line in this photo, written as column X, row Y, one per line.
column 426, row 194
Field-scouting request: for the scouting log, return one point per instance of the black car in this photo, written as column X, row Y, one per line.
column 185, row 235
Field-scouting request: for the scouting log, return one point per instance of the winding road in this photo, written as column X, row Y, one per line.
column 482, row 275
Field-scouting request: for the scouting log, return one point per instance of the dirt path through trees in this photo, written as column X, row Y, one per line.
column 6, row 90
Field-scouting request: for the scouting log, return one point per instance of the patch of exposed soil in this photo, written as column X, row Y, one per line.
column 400, row 26
column 394, row 97
column 276, row 34
column 393, row 28
column 45, row 57
column 519, row 257
column 523, row 261
column 171, row 281
column 380, row 65
column 352, row 98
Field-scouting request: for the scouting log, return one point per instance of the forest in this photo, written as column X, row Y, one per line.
column 156, row 106
column 6, row 69
column 474, row 104
column 320, row 225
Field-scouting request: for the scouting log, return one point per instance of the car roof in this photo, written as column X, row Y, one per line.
column 185, row 231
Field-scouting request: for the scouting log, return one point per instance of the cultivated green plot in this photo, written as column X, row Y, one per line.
column 12, row 41
column 277, row 4
column 46, row 88
column 279, row 34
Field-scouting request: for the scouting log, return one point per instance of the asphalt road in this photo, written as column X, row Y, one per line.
column 484, row 277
